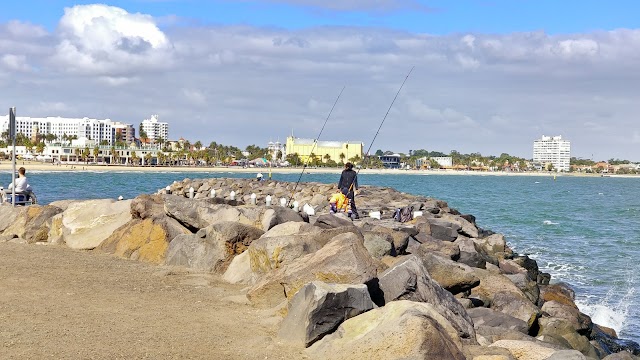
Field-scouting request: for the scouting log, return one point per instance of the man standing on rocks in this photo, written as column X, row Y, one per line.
column 348, row 184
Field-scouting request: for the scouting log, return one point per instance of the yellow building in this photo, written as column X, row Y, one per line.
column 338, row 151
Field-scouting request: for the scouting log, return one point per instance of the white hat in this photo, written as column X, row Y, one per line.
column 259, row 174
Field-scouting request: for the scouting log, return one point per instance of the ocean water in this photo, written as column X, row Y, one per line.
column 582, row 230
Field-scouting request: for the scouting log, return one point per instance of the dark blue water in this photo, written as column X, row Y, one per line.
column 583, row 230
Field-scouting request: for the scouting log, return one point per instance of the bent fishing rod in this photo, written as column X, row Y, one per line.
column 315, row 142
column 380, row 127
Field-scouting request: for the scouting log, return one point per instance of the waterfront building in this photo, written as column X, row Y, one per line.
column 337, row 151
column 155, row 129
column 124, row 132
column 276, row 148
column 552, row 150
column 390, row 160
column 93, row 129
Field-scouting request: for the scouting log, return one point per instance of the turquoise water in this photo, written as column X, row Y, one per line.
column 585, row 231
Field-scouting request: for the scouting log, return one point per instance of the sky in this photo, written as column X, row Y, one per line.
column 489, row 76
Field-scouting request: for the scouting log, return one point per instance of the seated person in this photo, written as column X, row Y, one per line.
column 22, row 185
column 338, row 202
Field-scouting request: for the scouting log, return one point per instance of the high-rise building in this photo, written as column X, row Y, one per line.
column 154, row 129
column 92, row 129
column 124, row 132
column 552, row 150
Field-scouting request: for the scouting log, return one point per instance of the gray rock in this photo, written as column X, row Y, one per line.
column 344, row 260
column 444, row 230
column 580, row 322
column 399, row 330
column 278, row 215
column 319, row 308
column 271, row 252
column 493, row 318
column 378, row 244
column 329, row 221
column 409, row 280
column 452, row 276
column 212, row 248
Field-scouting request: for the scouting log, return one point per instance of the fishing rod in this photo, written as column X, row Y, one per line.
column 380, row 127
column 315, row 142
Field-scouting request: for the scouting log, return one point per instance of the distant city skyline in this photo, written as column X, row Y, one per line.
column 490, row 77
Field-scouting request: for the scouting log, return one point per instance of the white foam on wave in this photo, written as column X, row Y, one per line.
column 609, row 313
column 549, row 222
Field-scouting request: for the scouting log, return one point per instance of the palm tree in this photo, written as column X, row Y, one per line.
column 198, row 145
column 96, row 152
column 134, row 158
column 40, row 148
column 114, row 154
column 85, row 154
column 147, row 159
column 77, row 152
column 342, row 157
column 327, row 157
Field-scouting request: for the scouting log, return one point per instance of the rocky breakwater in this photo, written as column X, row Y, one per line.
column 437, row 287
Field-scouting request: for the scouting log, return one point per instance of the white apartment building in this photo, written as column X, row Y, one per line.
column 154, row 129
column 93, row 129
column 554, row 150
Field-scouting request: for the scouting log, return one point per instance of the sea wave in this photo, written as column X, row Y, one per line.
column 549, row 222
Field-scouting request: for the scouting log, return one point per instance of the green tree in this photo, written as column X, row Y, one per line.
column 96, row 153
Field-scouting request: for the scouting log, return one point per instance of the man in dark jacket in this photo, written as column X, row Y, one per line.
column 348, row 184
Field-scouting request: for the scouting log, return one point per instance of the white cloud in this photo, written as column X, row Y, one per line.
column 15, row 62
column 106, row 40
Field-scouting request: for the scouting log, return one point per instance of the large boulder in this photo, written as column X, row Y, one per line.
column 445, row 230
column 271, row 252
column 9, row 216
column 452, row 276
column 378, row 244
column 279, row 215
column 212, row 248
column 469, row 254
column 467, row 228
column 330, row 221
column 144, row 239
column 503, row 295
column 31, row 223
column 342, row 260
column 563, row 330
column 399, row 330
column 198, row 214
column 489, row 317
column 84, row 225
column 581, row 322
column 319, row 308
column 428, row 244
column 495, row 246
column 410, row 280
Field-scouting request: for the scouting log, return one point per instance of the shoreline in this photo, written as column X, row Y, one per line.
column 6, row 167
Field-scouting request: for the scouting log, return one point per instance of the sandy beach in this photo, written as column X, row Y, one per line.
column 6, row 166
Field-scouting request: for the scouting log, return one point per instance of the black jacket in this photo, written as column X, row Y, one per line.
column 348, row 177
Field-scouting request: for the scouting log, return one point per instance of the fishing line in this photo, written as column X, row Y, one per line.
column 315, row 142
column 380, row 127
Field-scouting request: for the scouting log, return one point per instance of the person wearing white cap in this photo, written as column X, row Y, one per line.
column 259, row 176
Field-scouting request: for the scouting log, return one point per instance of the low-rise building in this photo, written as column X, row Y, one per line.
column 337, row 151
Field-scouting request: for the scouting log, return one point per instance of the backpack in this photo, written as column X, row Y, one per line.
column 404, row 214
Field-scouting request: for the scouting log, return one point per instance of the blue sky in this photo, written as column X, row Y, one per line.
column 491, row 76
column 433, row 17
